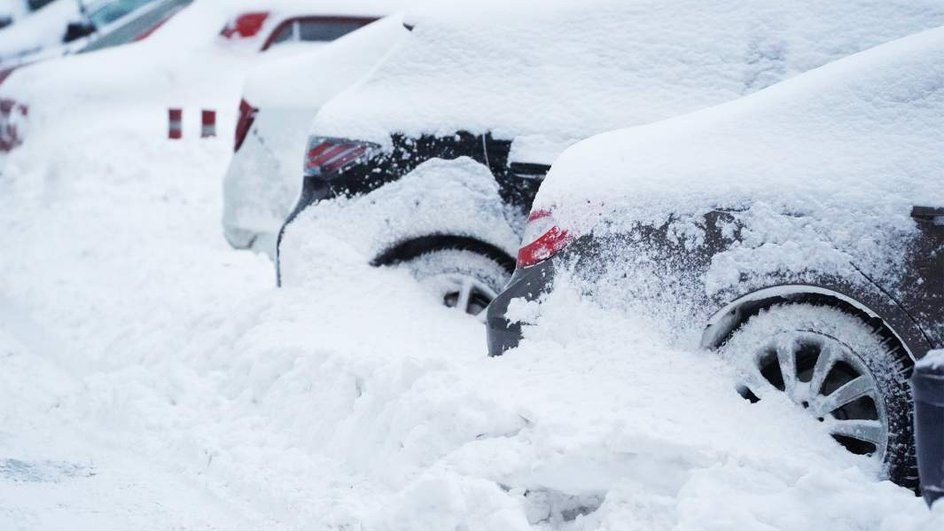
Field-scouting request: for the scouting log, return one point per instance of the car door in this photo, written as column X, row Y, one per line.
column 923, row 296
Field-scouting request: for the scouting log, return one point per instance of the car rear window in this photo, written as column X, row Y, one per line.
column 314, row 29
column 112, row 11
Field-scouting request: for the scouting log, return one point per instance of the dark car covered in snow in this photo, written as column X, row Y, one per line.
column 798, row 231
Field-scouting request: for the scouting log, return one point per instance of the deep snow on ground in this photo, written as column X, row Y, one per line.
column 150, row 377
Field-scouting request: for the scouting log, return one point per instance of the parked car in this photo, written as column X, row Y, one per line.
column 799, row 232
column 36, row 31
column 279, row 102
column 69, row 26
column 438, row 154
column 109, row 24
column 176, row 72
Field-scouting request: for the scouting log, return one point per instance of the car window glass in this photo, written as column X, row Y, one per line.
column 314, row 30
column 112, row 11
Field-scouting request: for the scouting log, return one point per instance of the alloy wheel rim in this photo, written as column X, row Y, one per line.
column 826, row 378
column 466, row 293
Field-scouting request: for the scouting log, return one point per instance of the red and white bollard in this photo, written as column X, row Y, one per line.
column 208, row 124
column 175, row 123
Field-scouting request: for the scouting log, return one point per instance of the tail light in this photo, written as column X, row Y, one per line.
column 245, row 25
column 247, row 115
column 542, row 239
column 330, row 155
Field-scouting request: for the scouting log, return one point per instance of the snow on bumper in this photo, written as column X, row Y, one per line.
column 441, row 197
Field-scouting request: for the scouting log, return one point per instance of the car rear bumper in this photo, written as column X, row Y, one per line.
column 528, row 283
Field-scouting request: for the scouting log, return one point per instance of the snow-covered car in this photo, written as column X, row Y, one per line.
column 34, row 32
column 190, row 62
column 70, row 26
column 438, row 154
column 117, row 23
column 798, row 231
column 280, row 101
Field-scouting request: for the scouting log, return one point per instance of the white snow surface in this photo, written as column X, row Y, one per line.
column 36, row 31
column 153, row 378
column 568, row 70
column 308, row 80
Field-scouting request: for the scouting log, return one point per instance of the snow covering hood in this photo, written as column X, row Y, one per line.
column 858, row 137
column 568, row 70
column 309, row 79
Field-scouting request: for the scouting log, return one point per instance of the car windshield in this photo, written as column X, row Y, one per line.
column 112, row 11
column 315, row 30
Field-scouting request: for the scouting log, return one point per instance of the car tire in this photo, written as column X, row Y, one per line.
column 848, row 374
column 459, row 278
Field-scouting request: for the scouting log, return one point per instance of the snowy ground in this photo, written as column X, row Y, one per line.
column 152, row 378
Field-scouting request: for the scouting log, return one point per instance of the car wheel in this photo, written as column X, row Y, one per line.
column 461, row 279
column 841, row 370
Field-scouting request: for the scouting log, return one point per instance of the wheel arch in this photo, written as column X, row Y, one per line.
column 408, row 249
column 882, row 312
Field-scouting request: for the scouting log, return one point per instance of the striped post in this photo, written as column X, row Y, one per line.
column 208, row 123
column 175, row 119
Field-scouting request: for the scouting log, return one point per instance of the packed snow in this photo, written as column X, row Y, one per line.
column 153, row 378
column 567, row 70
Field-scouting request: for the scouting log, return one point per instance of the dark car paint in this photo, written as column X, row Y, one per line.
column 915, row 314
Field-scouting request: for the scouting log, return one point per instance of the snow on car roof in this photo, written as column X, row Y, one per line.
column 568, row 69
column 862, row 135
column 44, row 28
column 299, row 81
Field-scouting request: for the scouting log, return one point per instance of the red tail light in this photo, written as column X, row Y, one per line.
column 329, row 155
column 247, row 115
column 542, row 239
column 245, row 25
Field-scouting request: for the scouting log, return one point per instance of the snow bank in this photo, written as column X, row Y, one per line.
column 569, row 70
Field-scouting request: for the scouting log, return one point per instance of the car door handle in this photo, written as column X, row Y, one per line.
column 933, row 215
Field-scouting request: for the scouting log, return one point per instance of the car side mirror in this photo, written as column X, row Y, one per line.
column 77, row 30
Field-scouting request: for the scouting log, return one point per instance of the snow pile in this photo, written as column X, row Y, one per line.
column 457, row 197
column 567, row 70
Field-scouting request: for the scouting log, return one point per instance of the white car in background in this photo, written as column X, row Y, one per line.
column 279, row 102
